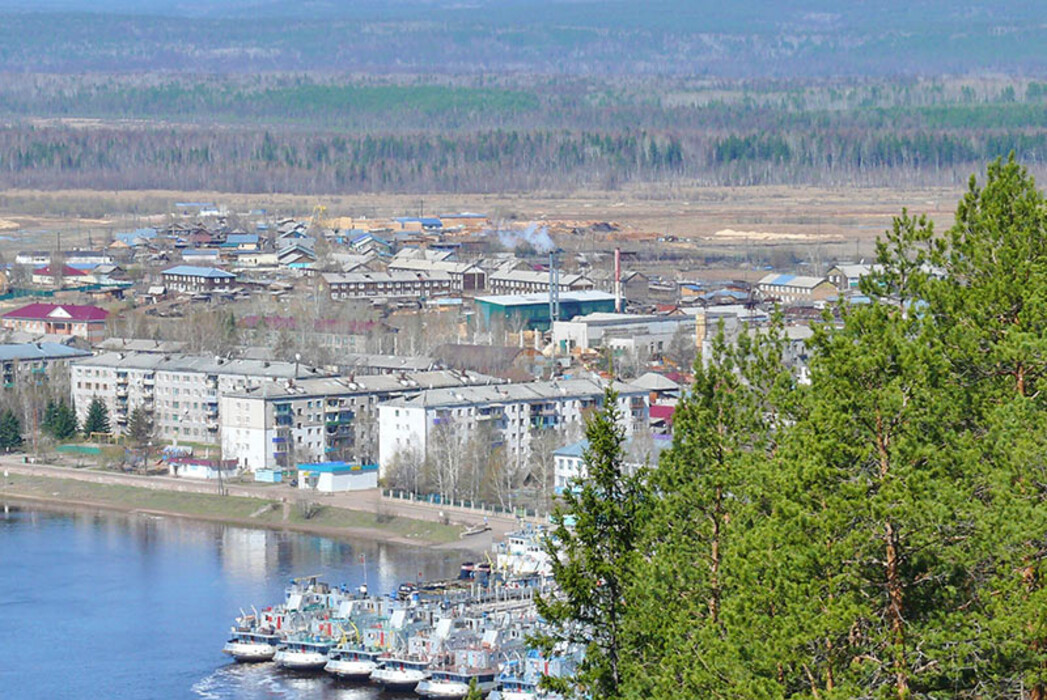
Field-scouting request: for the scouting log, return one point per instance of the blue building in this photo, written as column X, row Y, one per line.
column 532, row 310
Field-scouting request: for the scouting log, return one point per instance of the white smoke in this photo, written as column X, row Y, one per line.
column 537, row 236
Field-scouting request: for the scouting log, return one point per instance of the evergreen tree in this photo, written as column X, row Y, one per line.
column 592, row 549
column 97, row 420
column 139, row 426
column 692, row 588
column 10, row 430
column 59, row 420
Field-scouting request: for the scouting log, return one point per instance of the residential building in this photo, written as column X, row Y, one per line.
column 534, row 282
column 86, row 322
column 409, row 427
column 181, row 392
column 190, row 279
column 793, row 289
column 387, row 285
column 279, row 425
column 846, row 276
column 570, row 468
column 30, row 363
column 67, row 277
column 465, row 277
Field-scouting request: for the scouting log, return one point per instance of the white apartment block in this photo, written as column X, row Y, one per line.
column 277, row 425
column 182, row 392
column 515, row 411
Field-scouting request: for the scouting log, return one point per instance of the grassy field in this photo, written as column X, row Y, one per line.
column 328, row 521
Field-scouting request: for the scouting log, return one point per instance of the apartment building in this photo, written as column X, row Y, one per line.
column 793, row 289
column 192, row 279
column 387, row 285
column 277, row 425
column 534, row 282
column 514, row 411
column 30, row 363
column 465, row 277
column 181, row 392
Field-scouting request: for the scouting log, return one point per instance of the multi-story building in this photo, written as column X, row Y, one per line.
column 465, row 277
column 278, row 425
column 514, row 412
column 793, row 289
column 30, row 363
column 387, row 285
column 534, row 282
column 181, row 392
column 191, row 279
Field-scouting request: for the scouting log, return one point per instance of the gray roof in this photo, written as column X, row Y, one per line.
column 655, row 382
column 510, row 393
column 203, row 364
column 370, row 384
column 39, row 351
column 395, row 276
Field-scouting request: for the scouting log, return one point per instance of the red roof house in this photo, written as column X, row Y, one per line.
column 58, row 319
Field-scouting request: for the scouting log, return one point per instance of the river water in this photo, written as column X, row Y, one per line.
column 107, row 605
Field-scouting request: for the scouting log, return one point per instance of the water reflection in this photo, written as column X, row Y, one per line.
column 158, row 596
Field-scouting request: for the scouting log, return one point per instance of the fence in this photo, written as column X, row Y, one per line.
column 436, row 499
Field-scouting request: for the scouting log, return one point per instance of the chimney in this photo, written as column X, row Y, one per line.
column 618, row 280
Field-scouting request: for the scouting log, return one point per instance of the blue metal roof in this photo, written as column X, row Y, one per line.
column 337, row 467
column 575, row 450
column 240, row 238
column 194, row 271
column 783, row 279
column 39, row 351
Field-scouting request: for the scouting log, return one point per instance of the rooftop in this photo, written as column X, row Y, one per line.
column 58, row 312
column 543, row 298
column 39, row 351
column 194, row 271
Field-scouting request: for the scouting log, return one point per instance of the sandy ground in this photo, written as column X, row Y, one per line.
column 796, row 213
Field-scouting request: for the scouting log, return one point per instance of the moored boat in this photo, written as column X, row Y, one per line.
column 349, row 662
column 252, row 646
column 454, row 682
column 302, row 654
column 401, row 673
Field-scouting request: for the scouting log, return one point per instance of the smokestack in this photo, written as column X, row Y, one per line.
column 618, row 280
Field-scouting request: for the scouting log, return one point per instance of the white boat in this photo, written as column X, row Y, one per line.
column 302, row 654
column 454, row 683
column 251, row 646
column 401, row 673
column 351, row 663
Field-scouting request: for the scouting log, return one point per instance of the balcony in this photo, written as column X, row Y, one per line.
column 212, row 425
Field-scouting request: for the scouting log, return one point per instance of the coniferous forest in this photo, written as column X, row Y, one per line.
column 878, row 533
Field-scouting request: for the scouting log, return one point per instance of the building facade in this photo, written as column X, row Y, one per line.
column 181, row 392
column 512, row 412
column 191, row 279
column 87, row 322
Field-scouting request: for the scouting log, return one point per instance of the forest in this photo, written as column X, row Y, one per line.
column 877, row 533
column 316, row 135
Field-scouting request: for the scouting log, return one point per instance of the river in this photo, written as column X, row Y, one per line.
column 109, row 605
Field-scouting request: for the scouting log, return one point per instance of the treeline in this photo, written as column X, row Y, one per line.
column 247, row 160
column 878, row 533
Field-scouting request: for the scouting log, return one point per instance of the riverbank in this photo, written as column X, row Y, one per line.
column 247, row 511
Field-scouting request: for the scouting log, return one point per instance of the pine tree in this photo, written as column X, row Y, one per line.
column 10, row 430
column 59, row 420
column 139, row 427
column 97, row 420
column 693, row 586
column 592, row 549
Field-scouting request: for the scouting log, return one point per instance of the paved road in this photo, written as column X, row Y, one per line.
column 370, row 501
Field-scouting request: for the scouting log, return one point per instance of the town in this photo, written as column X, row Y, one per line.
column 450, row 357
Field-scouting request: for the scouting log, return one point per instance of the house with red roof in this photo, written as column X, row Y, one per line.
column 68, row 277
column 58, row 319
